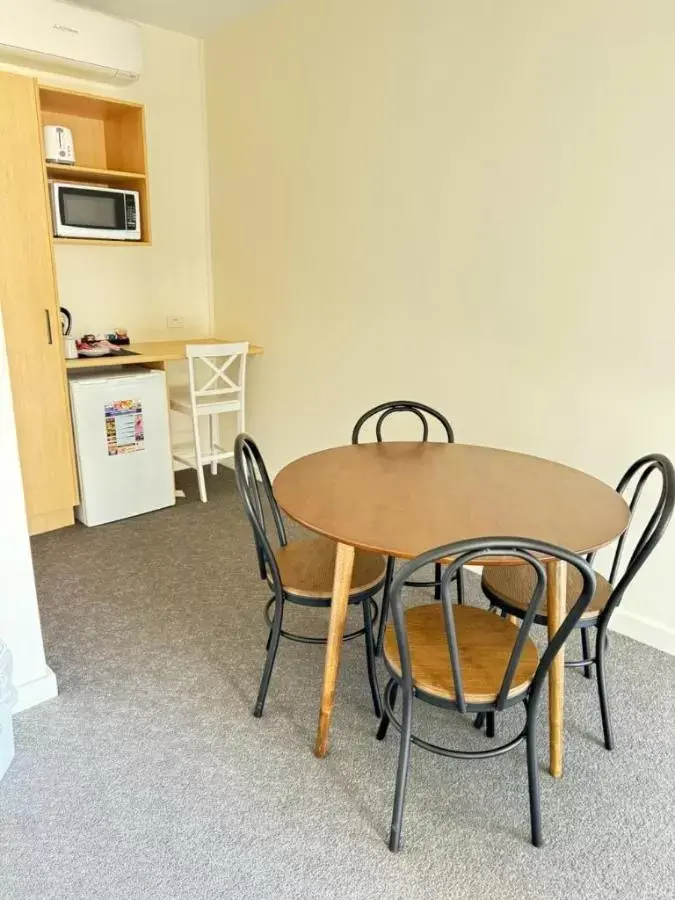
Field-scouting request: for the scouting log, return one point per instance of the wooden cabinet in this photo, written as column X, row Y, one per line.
column 109, row 138
column 30, row 312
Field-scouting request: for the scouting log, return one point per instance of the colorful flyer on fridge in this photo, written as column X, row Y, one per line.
column 124, row 426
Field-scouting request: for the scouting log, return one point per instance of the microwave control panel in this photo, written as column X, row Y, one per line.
column 130, row 204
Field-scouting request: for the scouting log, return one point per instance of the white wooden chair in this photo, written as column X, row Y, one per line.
column 216, row 385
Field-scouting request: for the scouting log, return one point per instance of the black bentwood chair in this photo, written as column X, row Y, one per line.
column 509, row 590
column 466, row 658
column 423, row 413
column 301, row 571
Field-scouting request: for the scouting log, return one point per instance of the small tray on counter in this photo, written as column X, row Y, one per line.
column 99, row 352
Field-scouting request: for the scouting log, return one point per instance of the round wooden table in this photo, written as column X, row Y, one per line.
column 403, row 498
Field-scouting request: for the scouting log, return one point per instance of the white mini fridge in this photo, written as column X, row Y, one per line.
column 122, row 442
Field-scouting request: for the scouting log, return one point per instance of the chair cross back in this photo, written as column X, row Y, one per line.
column 218, row 360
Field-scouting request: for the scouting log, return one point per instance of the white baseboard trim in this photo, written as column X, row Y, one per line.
column 647, row 631
column 37, row 691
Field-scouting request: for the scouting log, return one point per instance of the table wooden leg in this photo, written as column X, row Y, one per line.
column 342, row 579
column 556, row 602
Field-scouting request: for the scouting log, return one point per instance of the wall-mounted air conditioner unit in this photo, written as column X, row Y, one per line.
column 59, row 37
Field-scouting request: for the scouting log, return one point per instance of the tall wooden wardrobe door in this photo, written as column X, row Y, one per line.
column 29, row 303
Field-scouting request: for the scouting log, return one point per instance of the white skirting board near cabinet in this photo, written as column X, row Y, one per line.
column 38, row 690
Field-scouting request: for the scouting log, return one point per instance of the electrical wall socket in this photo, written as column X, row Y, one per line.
column 175, row 322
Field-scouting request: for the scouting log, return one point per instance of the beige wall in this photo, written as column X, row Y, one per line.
column 472, row 204
column 138, row 287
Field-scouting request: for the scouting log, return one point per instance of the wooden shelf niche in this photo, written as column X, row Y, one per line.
column 110, row 149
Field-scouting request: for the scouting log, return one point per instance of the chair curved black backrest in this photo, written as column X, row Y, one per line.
column 254, row 486
column 396, row 406
column 631, row 487
column 478, row 551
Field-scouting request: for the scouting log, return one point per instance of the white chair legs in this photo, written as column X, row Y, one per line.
column 199, row 458
column 214, row 436
column 220, row 391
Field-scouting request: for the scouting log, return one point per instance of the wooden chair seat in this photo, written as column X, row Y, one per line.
column 484, row 641
column 514, row 585
column 306, row 568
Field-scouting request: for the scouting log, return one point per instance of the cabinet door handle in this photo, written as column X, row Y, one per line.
column 49, row 327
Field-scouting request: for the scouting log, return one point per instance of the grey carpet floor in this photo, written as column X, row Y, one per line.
column 149, row 778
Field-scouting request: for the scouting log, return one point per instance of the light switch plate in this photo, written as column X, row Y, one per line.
column 175, row 322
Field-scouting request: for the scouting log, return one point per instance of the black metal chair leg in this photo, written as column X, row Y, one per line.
column 479, row 721
column 438, row 574
column 402, row 773
column 273, row 646
column 460, row 587
column 384, row 612
column 586, row 653
column 370, row 656
column 600, row 648
column 392, row 687
column 490, row 730
column 533, row 778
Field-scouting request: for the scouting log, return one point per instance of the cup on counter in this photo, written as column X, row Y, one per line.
column 69, row 347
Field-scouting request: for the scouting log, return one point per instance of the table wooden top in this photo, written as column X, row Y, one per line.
column 404, row 498
column 152, row 352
